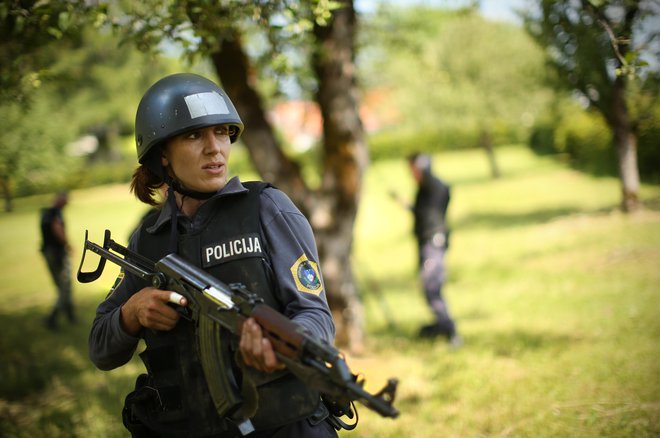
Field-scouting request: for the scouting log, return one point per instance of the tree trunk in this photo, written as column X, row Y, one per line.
column 615, row 110
column 625, row 141
column 486, row 141
column 345, row 158
column 232, row 66
column 332, row 208
column 6, row 192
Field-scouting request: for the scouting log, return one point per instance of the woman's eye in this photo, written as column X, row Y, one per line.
column 226, row 130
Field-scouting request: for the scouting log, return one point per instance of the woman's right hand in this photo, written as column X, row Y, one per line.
column 149, row 308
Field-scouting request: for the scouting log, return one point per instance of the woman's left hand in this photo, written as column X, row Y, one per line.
column 256, row 350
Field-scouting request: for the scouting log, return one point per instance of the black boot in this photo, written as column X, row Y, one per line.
column 432, row 331
column 71, row 315
column 51, row 321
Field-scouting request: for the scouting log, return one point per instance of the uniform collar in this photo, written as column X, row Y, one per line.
column 233, row 187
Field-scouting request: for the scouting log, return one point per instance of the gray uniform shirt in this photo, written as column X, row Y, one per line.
column 289, row 237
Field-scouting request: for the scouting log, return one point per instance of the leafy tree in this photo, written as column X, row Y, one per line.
column 319, row 34
column 85, row 85
column 31, row 143
column 99, row 82
column 61, row 78
column 596, row 47
column 27, row 29
column 470, row 81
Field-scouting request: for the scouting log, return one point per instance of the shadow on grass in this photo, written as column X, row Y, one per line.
column 513, row 343
column 504, row 220
column 507, row 174
column 32, row 355
column 501, row 220
column 652, row 203
column 517, row 342
column 45, row 374
column 373, row 292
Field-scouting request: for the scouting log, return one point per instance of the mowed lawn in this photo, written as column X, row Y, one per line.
column 555, row 292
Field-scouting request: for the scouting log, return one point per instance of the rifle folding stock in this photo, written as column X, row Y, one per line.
column 212, row 303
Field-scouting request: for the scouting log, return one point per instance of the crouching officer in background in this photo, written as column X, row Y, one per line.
column 249, row 233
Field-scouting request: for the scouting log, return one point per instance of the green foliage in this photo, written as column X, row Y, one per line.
column 585, row 137
column 554, row 291
column 105, row 79
column 32, row 145
column 400, row 142
column 582, row 137
column 591, row 46
column 596, row 51
column 92, row 86
column 28, row 29
column 453, row 73
column 576, row 48
column 277, row 34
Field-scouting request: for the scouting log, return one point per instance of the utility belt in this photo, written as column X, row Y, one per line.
column 145, row 404
column 160, row 412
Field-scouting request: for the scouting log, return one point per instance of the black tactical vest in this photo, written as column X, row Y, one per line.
column 230, row 245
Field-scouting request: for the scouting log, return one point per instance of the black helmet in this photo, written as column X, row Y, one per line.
column 178, row 103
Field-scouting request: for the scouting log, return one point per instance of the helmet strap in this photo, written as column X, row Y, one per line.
column 174, row 186
column 173, row 246
column 153, row 163
column 190, row 193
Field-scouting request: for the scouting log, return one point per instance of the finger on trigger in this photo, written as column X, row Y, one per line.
column 175, row 298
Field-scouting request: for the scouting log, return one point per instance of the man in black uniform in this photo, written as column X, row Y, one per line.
column 55, row 249
column 432, row 233
column 249, row 233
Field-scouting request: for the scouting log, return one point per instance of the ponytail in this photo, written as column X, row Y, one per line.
column 145, row 185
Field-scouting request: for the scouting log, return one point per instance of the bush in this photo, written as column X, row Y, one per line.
column 396, row 143
column 542, row 139
column 106, row 173
column 586, row 139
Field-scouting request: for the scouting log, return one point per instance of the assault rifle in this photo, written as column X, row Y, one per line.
column 212, row 303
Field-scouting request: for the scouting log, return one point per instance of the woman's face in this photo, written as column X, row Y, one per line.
column 198, row 159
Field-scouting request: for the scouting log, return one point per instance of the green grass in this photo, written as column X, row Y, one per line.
column 554, row 290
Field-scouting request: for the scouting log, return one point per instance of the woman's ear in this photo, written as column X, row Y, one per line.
column 163, row 159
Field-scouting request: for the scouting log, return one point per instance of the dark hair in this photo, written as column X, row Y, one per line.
column 421, row 161
column 145, row 185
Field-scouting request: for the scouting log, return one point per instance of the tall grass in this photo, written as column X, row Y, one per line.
column 555, row 292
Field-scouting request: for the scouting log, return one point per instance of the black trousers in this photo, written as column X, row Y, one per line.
column 59, row 267
column 433, row 274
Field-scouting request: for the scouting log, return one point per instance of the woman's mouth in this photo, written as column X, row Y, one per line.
column 214, row 168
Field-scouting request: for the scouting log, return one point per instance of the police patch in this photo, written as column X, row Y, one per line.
column 118, row 281
column 306, row 276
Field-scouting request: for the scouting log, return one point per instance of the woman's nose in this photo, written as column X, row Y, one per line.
column 212, row 143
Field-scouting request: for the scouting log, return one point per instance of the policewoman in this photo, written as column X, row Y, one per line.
column 240, row 232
